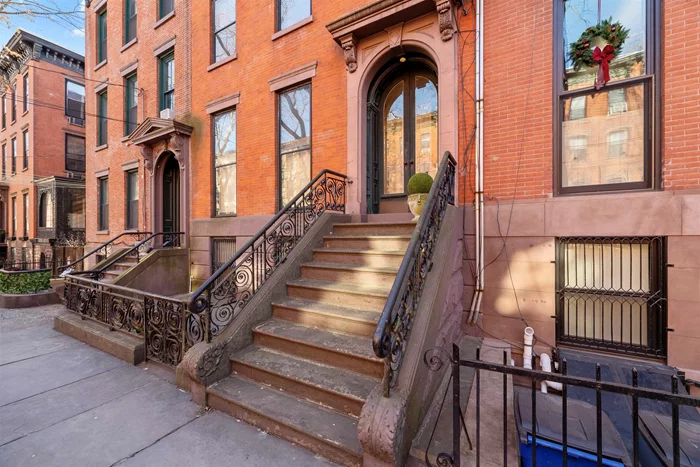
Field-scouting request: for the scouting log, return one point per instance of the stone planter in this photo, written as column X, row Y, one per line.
column 416, row 203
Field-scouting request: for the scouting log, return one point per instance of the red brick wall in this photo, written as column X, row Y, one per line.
column 117, row 151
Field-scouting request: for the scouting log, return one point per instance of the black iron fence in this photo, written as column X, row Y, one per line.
column 649, row 431
column 123, row 240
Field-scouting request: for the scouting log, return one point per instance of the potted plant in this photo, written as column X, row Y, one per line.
column 3, row 234
column 418, row 189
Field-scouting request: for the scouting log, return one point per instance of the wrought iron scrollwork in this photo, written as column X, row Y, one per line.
column 233, row 285
column 394, row 327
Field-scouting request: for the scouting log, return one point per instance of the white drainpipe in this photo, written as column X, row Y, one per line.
column 479, row 168
column 546, row 364
column 527, row 348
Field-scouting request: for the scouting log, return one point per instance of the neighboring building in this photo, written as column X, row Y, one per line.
column 42, row 136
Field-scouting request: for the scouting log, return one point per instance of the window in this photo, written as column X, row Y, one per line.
column 14, row 156
column 222, row 249
column 225, row 162
column 4, row 161
column 103, row 191
column 102, row 118
column 46, row 210
column 617, row 144
column 75, row 153
column 165, row 7
column 578, row 147
column 294, row 141
column 102, row 36
column 129, row 20
column 75, row 103
column 628, row 103
column 76, row 210
column 25, row 158
column 131, row 104
column 132, row 200
column 25, row 88
column 4, row 111
column 14, row 216
column 290, row 12
column 25, row 199
column 224, row 29
column 167, row 81
column 610, row 293
column 14, row 102
column 578, row 108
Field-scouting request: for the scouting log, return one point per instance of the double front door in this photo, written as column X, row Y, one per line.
column 403, row 134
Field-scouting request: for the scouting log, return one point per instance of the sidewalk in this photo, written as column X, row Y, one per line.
column 63, row 403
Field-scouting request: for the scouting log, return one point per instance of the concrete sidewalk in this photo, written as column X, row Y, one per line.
column 65, row 403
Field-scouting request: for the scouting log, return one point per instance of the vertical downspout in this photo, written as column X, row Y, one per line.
column 142, row 93
column 479, row 168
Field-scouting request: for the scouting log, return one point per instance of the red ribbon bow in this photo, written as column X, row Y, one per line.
column 603, row 57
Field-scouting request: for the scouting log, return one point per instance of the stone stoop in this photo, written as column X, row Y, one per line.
column 311, row 366
column 118, row 268
column 120, row 344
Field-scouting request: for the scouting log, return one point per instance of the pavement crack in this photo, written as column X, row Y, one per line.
column 155, row 442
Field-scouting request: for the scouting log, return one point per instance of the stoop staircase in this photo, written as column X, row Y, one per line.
column 311, row 367
column 117, row 269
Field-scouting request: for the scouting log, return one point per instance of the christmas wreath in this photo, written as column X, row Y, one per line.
column 582, row 53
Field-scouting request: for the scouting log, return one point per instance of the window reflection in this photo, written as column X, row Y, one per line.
column 295, row 141
column 394, row 140
column 293, row 11
column 426, row 126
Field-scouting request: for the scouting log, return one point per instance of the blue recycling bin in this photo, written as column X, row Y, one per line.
column 581, row 435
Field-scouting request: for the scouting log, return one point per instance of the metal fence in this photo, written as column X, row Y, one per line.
column 535, row 439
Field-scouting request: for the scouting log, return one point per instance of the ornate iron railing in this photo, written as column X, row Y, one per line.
column 170, row 240
column 231, row 287
column 106, row 248
column 168, row 328
column 394, row 327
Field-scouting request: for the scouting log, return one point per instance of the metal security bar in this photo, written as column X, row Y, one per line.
column 435, row 360
column 611, row 294
column 222, row 248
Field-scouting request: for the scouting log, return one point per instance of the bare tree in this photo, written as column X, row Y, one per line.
column 49, row 9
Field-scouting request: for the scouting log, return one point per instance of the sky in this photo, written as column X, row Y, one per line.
column 60, row 33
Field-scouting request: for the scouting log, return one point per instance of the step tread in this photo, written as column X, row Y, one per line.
column 328, row 309
column 345, row 287
column 343, row 343
column 347, row 383
column 356, row 237
column 359, row 251
column 292, row 411
column 350, row 267
column 377, row 224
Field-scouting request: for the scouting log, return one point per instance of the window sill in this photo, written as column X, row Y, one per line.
column 25, row 169
column 124, row 139
column 219, row 216
column 226, row 60
column 129, row 44
column 164, row 19
column 75, row 124
column 100, row 65
column 100, row 148
column 102, row 232
column 293, row 27
column 25, row 112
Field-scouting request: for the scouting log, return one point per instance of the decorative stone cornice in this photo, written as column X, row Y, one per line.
column 349, row 45
column 444, row 9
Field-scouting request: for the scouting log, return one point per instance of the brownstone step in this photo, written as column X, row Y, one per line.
column 320, row 345
column 371, row 258
column 339, row 272
column 340, row 389
column 368, row 242
column 362, row 296
column 322, row 431
column 375, row 228
column 323, row 315
column 123, row 266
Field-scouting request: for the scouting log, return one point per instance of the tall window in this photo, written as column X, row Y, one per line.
column 25, row 141
column 103, row 208
column 76, row 210
column 225, row 162
column 102, row 118
column 4, row 161
column 224, row 29
column 167, row 81
column 75, row 153
column 129, row 20
column 295, row 141
column 625, row 103
column 14, row 156
column 4, row 111
column 102, row 36
column 25, row 89
column 46, row 210
column 25, row 199
column 290, row 12
column 14, row 216
column 14, row 102
column 75, row 103
column 131, row 104
column 165, row 7
column 132, row 200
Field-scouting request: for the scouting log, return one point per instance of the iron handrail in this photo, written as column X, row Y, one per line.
column 442, row 186
column 197, row 303
column 97, row 273
column 103, row 246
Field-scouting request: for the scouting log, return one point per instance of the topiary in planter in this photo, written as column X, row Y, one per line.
column 420, row 183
